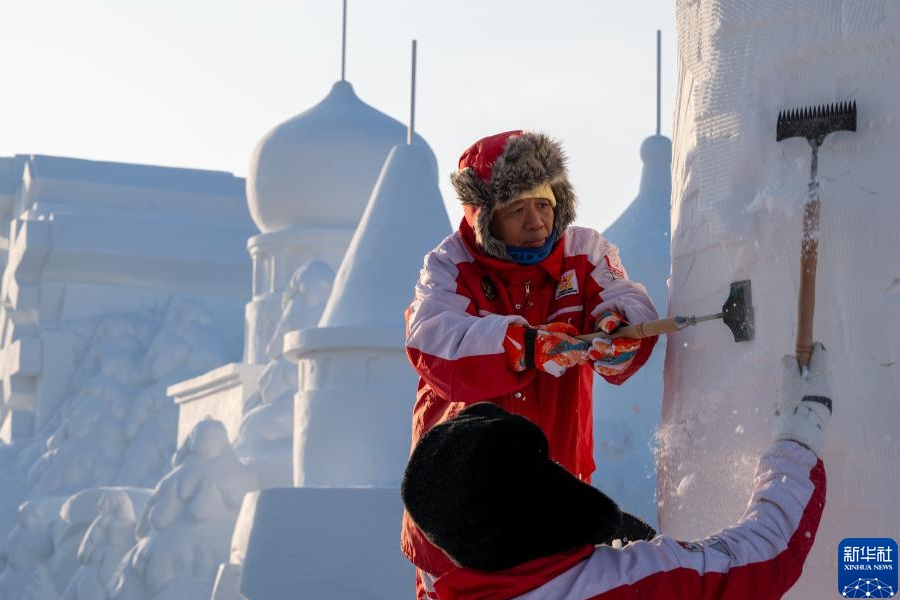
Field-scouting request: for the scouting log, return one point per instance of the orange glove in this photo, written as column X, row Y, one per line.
column 549, row 348
column 611, row 357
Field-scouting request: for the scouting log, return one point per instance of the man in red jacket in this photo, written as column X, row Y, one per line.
column 498, row 302
column 483, row 487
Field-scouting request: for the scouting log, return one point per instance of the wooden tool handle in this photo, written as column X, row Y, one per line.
column 638, row 330
column 806, row 300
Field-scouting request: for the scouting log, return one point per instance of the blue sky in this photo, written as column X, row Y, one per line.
column 197, row 83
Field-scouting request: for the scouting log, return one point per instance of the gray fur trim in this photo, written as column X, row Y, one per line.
column 528, row 160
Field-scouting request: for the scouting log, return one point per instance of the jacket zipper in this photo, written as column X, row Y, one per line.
column 527, row 294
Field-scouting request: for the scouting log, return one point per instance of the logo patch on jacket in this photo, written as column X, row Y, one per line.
column 614, row 266
column 488, row 287
column 568, row 284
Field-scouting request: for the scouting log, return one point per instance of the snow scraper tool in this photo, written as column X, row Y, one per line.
column 813, row 123
column 737, row 314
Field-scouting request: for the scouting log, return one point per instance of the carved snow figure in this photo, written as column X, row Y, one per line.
column 107, row 540
column 74, row 520
column 185, row 531
column 117, row 426
column 265, row 439
column 26, row 547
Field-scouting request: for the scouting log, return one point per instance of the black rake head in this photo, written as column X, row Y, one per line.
column 816, row 122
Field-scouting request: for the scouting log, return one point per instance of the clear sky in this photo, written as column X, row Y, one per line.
column 197, row 83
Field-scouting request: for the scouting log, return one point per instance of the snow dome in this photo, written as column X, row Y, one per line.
column 299, row 168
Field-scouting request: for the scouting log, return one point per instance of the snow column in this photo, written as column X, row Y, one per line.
column 737, row 214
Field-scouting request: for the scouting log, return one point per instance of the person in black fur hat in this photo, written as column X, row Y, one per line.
column 483, row 488
column 498, row 302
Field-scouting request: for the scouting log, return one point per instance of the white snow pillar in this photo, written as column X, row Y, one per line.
column 737, row 198
column 351, row 415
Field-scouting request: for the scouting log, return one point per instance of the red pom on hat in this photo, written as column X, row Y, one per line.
column 481, row 155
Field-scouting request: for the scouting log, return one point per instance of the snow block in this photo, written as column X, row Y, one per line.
column 322, row 543
column 219, row 394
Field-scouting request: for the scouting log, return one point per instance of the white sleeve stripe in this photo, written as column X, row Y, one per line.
column 565, row 311
column 438, row 322
column 466, row 336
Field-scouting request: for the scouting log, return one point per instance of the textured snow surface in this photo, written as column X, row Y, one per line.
column 185, row 531
column 115, row 427
column 737, row 206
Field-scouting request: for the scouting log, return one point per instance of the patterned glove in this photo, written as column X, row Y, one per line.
column 549, row 348
column 609, row 321
column 804, row 408
column 611, row 357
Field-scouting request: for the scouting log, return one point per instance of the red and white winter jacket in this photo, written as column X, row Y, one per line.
column 456, row 324
column 760, row 558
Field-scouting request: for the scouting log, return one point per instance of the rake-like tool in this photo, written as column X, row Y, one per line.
column 813, row 123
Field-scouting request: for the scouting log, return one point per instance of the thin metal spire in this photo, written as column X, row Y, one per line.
column 410, row 133
column 344, row 44
column 658, row 77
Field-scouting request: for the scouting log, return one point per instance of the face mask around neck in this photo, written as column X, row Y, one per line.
column 532, row 256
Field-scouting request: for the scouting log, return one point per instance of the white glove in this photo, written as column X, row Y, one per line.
column 804, row 407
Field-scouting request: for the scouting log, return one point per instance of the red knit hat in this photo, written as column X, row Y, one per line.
column 504, row 167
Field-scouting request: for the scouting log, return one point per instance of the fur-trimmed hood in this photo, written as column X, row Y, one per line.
column 496, row 169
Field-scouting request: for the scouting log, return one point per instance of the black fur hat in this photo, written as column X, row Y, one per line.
column 482, row 487
column 495, row 170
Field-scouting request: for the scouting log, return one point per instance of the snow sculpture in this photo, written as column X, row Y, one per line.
column 107, row 540
column 266, row 438
column 185, row 530
column 351, row 419
column 89, row 238
column 352, row 407
column 307, row 186
column 73, row 522
column 737, row 199
column 28, row 546
column 117, row 426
